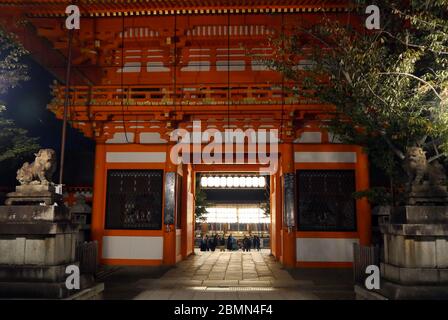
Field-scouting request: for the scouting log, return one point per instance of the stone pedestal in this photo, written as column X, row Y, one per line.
column 415, row 262
column 37, row 243
column 425, row 194
column 33, row 195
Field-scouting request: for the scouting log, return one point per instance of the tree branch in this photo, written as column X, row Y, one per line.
column 411, row 44
column 436, row 157
column 416, row 78
column 397, row 151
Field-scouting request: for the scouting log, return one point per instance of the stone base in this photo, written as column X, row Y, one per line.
column 33, row 273
column 395, row 291
column 33, row 195
column 93, row 293
column 41, row 290
column 415, row 276
column 415, row 262
column 37, row 242
column 37, row 249
column 362, row 293
column 419, row 215
column 33, row 213
column 428, row 194
column 416, row 245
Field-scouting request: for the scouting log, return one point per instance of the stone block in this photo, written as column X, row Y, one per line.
column 50, row 250
column 33, row 290
column 41, row 290
column 419, row 276
column 396, row 291
column 391, row 272
column 415, row 229
column 35, row 188
column 33, row 273
column 420, row 215
column 423, row 254
column 35, row 252
column 396, row 253
column 363, row 294
column 443, row 275
column 19, row 253
column 442, row 253
column 7, row 249
column 30, row 213
column 37, row 228
column 412, row 252
column 220, row 283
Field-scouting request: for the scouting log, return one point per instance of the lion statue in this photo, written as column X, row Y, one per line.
column 419, row 171
column 40, row 171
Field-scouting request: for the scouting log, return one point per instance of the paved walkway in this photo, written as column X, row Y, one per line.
column 227, row 276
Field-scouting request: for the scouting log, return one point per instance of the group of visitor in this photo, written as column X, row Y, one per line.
column 213, row 242
column 251, row 242
column 219, row 242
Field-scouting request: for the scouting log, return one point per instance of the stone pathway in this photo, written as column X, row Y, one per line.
column 226, row 276
column 230, row 268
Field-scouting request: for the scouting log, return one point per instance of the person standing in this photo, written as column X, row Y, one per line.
column 211, row 243
column 247, row 244
column 230, row 243
column 203, row 245
column 257, row 242
column 215, row 242
column 222, row 243
column 207, row 241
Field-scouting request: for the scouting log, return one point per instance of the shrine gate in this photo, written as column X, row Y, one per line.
column 141, row 69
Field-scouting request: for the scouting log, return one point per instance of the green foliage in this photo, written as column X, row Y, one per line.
column 389, row 87
column 376, row 196
column 14, row 142
column 266, row 208
column 201, row 205
column 12, row 71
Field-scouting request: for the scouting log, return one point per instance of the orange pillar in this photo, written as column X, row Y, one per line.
column 278, row 215
column 184, row 213
column 193, row 204
column 99, row 192
column 288, row 233
column 364, row 217
column 272, row 226
column 169, row 230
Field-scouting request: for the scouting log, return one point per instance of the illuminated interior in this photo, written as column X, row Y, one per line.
column 236, row 214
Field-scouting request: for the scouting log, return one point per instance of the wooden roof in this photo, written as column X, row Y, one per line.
column 167, row 7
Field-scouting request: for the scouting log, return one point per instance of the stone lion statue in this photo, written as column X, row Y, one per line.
column 419, row 171
column 40, row 171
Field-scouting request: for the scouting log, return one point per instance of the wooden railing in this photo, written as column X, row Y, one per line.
column 363, row 256
column 238, row 94
column 87, row 255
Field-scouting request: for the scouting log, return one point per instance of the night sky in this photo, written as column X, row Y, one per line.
column 27, row 106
